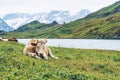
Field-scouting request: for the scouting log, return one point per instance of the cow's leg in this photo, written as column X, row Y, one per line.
column 34, row 55
column 45, row 56
column 51, row 55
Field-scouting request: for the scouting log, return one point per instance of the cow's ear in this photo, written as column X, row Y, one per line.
column 31, row 40
column 45, row 41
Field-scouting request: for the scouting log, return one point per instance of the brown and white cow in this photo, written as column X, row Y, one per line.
column 1, row 39
column 43, row 50
column 12, row 39
column 30, row 48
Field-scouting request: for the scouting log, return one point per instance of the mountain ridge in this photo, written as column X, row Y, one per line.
column 106, row 11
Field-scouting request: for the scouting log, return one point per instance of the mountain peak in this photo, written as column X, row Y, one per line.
column 4, row 26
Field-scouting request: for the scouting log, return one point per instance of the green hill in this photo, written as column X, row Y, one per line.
column 103, row 24
column 114, row 8
column 74, row 64
column 30, row 26
column 35, row 25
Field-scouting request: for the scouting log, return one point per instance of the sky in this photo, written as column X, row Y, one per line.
column 34, row 6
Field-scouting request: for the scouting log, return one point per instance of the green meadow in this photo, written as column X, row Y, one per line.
column 74, row 64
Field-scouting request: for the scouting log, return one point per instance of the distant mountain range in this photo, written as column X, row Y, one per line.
column 19, row 19
column 4, row 26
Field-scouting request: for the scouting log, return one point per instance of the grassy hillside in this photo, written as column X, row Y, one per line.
column 35, row 25
column 103, row 24
column 114, row 8
column 31, row 26
column 74, row 64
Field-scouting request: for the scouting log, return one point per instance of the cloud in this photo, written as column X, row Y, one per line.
column 32, row 6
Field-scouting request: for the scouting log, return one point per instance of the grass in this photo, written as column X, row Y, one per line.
column 74, row 64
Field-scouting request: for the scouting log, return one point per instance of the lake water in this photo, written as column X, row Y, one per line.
column 82, row 43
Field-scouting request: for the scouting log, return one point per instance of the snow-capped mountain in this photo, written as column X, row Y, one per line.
column 81, row 14
column 59, row 16
column 4, row 26
column 18, row 19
